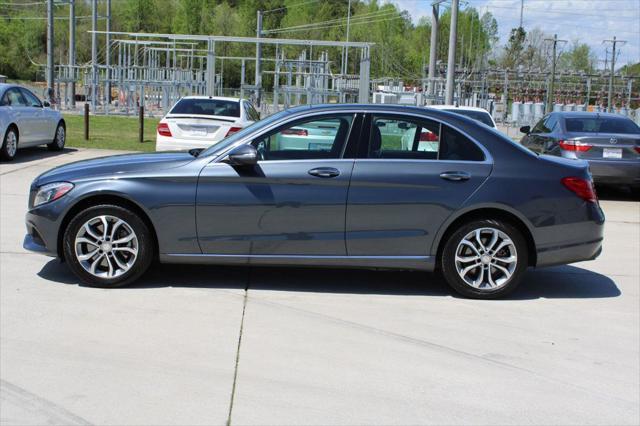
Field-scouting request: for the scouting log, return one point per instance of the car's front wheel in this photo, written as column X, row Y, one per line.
column 59, row 139
column 484, row 259
column 9, row 144
column 108, row 246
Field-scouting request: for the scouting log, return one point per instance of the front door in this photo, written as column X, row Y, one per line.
column 292, row 203
column 414, row 173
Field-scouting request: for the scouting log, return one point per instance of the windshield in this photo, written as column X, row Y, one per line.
column 254, row 127
column 601, row 125
column 224, row 108
column 480, row 116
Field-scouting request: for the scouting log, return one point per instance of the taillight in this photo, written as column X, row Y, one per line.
column 163, row 129
column 577, row 146
column 428, row 137
column 637, row 148
column 296, row 132
column 583, row 188
column 233, row 130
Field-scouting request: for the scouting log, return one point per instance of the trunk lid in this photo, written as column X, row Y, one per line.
column 199, row 127
column 607, row 146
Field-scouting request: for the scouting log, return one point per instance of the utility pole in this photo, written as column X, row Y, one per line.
column 614, row 42
column 258, row 59
column 451, row 61
column 50, row 70
column 345, row 61
column 553, row 70
column 433, row 49
column 107, row 57
column 72, row 52
column 521, row 12
column 94, row 54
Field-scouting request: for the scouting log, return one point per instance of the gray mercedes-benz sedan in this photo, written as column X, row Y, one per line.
column 330, row 185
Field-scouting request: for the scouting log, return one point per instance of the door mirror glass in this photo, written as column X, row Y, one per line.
column 243, row 155
column 525, row 129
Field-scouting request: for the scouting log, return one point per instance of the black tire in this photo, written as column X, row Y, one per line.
column 450, row 271
column 6, row 153
column 145, row 246
column 58, row 139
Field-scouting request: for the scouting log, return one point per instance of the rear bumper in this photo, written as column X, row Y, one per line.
column 615, row 172
column 572, row 242
column 165, row 143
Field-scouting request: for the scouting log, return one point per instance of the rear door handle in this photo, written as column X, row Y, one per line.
column 324, row 172
column 455, row 176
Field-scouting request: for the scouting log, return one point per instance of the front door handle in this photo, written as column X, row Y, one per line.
column 455, row 176
column 324, row 172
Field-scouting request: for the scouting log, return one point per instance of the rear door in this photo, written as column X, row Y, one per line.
column 407, row 180
column 292, row 203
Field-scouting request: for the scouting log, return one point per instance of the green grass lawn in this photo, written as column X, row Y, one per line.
column 111, row 132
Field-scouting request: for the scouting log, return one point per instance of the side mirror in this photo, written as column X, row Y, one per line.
column 525, row 129
column 46, row 104
column 243, row 155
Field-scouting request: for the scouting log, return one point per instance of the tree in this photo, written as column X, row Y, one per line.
column 514, row 48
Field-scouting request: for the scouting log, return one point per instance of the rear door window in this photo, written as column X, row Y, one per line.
column 396, row 137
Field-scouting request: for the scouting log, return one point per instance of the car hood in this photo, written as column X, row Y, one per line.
column 116, row 166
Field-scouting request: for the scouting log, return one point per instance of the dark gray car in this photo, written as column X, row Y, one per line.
column 351, row 192
column 609, row 142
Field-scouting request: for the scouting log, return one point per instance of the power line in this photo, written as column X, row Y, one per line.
column 288, row 7
column 332, row 21
column 340, row 25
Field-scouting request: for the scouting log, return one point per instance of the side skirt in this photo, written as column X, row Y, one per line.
column 422, row 263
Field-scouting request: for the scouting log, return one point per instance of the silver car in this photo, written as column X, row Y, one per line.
column 26, row 121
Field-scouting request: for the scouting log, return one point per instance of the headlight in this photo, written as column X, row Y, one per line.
column 51, row 192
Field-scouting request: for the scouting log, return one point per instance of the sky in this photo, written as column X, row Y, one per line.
column 586, row 21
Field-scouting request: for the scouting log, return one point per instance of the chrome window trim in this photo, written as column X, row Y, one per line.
column 488, row 157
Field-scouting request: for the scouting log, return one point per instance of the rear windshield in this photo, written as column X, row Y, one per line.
column 480, row 116
column 601, row 125
column 207, row 107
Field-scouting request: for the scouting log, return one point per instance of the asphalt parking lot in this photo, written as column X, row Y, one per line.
column 209, row 345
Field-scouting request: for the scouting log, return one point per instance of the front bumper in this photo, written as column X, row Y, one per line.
column 615, row 172
column 42, row 235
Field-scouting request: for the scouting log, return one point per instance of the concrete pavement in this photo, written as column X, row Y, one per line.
column 209, row 345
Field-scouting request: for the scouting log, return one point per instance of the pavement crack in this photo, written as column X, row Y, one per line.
column 235, row 370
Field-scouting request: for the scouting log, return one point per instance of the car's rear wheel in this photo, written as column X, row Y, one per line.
column 9, row 144
column 59, row 139
column 484, row 259
column 108, row 246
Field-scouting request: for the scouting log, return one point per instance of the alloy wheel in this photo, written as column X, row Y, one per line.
column 12, row 143
column 486, row 258
column 106, row 246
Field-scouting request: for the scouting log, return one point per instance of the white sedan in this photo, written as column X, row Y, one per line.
column 202, row 121
column 478, row 114
column 26, row 121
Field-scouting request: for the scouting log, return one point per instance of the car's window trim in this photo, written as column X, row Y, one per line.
column 488, row 158
column 304, row 119
column 367, row 113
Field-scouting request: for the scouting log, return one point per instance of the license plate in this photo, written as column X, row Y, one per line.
column 199, row 132
column 611, row 153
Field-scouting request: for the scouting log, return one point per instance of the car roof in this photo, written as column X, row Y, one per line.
column 460, row 107
column 214, row 98
column 587, row 114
